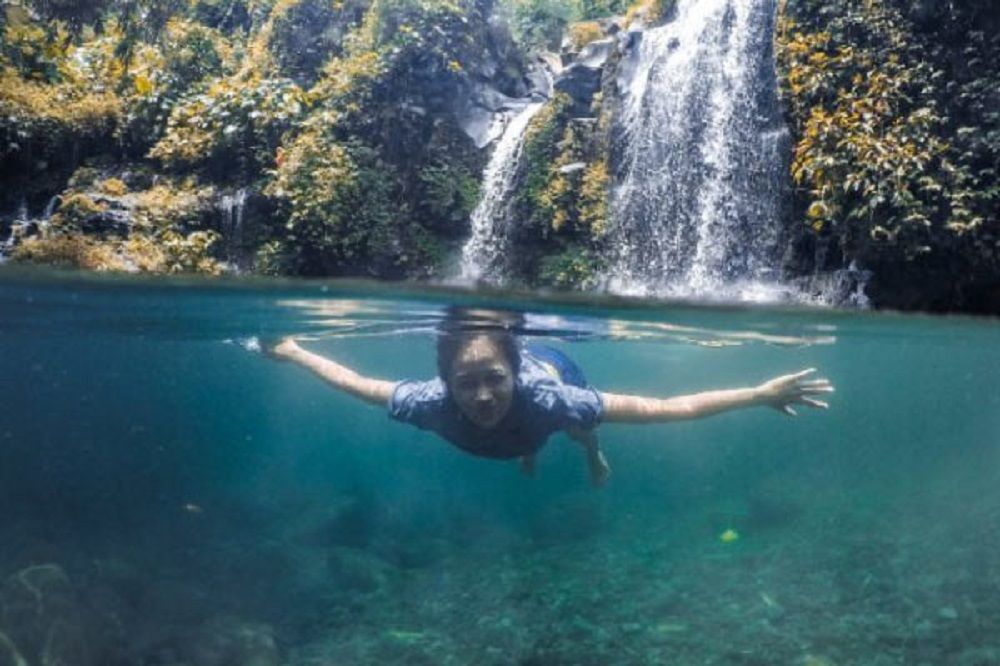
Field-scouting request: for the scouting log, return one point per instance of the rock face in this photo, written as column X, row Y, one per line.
column 481, row 112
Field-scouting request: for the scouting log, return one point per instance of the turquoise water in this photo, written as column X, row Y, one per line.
column 170, row 498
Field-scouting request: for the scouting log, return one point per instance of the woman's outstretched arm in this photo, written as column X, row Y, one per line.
column 779, row 393
column 375, row 391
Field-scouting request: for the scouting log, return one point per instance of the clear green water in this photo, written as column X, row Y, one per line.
column 206, row 506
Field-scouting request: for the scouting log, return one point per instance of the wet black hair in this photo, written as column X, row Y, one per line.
column 460, row 325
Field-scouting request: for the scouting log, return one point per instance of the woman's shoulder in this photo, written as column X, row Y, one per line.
column 415, row 401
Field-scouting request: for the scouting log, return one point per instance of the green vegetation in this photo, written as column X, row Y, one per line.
column 561, row 203
column 898, row 142
column 339, row 116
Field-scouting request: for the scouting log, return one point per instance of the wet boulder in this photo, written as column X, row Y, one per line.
column 582, row 79
column 480, row 112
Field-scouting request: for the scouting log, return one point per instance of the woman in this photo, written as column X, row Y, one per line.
column 496, row 398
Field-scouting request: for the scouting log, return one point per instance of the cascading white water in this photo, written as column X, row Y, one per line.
column 17, row 225
column 232, row 207
column 50, row 208
column 700, row 178
column 483, row 256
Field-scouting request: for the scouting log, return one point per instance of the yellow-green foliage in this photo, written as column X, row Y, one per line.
column 893, row 110
column 573, row 268
column 69, row 251
column 543, row 191
column 339, row 211
column 556, row 200
column 313, row 176
column 594, row 193
column 565, row 202
column 869, row 151
column 864, row 148
column 192, row 50
column 395, row 38
column 74, row 211
column 236, row 117
column 647, row 12
column 347, row 83
column 540, row 24
column 160, row 238
column 170, row 252
column 174, row 252
column 302, row 34
column 114, row 187
column 562, row 196
column 36, row 50
column 583, row 33
column 177, row 205
column 50, row 113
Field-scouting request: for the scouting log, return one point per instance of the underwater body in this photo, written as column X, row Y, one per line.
column 169, row 497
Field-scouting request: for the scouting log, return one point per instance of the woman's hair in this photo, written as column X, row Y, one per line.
column 461, row 325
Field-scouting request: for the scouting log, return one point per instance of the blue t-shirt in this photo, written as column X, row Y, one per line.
column 542, row 404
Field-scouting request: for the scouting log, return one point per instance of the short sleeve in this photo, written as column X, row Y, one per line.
column 418, row 403
column 566, row 406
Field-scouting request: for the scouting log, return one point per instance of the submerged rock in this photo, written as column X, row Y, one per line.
column 44, row 620
column 228, row 641
column 356, row 570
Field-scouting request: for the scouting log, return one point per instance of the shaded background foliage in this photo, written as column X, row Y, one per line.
column 335, row 122
column 338, row 117
column 896, row 111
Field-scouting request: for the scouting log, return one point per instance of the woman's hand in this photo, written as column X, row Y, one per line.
column 284, row 349
column 782, row 392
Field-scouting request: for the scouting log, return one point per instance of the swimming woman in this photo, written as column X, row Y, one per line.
column 496, row 398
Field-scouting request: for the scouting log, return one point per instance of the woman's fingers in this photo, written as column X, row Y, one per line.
column 813, row 403
column 800, row 375
column 788, row 410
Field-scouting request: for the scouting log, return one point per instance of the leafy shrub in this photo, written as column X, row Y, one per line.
column 649, row 12
column 36, row 51
column 74, row 211
column 69, row 251
column 46, row 117
column 540, row 24
column 595, row 190
column 303, row 35
column 581, row 34
column 573, row 268
column 449, row 193
column 235, row 121
column 897, row 146
column 113, row 186
column 340, row 213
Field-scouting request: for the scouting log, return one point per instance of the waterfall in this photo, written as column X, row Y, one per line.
column 483, row 256
column 50, row 208
column 15, row 228
column 232, row 207
column 700, row 151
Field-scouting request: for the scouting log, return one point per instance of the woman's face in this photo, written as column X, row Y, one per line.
column 481, row 382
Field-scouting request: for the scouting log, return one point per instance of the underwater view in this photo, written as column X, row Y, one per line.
column 173, row 494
